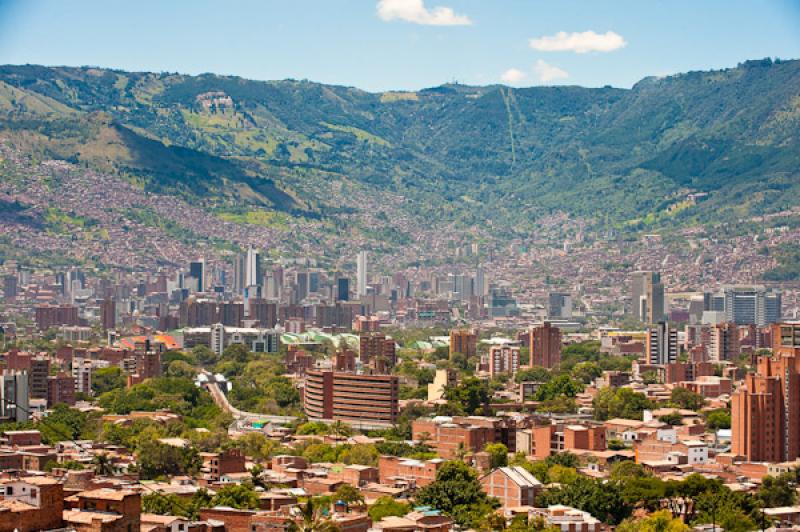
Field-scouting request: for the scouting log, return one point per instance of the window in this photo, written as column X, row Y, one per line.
column 9, row 490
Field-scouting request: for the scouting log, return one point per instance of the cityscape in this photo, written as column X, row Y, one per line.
column 549, row 300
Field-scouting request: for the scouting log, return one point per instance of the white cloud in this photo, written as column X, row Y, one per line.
column 416, row 12
column 512, row 76
column 546, row 72
column 579, row 42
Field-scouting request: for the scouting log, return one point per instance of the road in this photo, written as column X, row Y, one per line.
column 222, row 401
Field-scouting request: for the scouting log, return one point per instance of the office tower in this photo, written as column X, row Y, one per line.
column 231, row 314
column 662, row 344
column 480, row 282
column 647, row 297
column 10, row 286
column 377, row 345
column 108, row 314
column 343, row 289
column 361, row 272
column 351, row 397
column 464, row 341
column 559, row 305
column 253, row 272
column 37, row 377
column 545, row 346
column 49, row 316
column 239, row 273
column 313, row 282
column 765, row 412
column 503, row 359
column 197, row 270
column 265, row 313
column 748, row 305
column 723, row 342
column 301, row 283
column 14, row 403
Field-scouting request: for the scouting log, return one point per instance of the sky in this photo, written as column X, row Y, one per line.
column 382, row 45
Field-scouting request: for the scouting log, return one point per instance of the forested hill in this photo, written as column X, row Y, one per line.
column 628, row 157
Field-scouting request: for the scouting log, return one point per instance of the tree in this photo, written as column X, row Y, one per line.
column 107, row 379
column 162, row 504
column 180, row 368
column 566, row 459
column 498, row 455
column 661, row 521
column 241, row 496
column 157, row 459
column 472, row 395
column 457, row 492
column 362, row 454
column 718, row 419
column 349, row 495
column 601, row 499
column 312, row 520
column 674, row 418
column 620, row 402
column 586, row 372
column 387, row 506
column 684, row 398
column 102, row 465
column 627, row 469
column 777, row 491
column 560, row 386
column 534, row 374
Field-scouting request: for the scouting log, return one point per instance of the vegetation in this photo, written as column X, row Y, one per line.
column 457, row 492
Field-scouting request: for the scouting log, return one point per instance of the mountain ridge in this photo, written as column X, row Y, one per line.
column 499, row 153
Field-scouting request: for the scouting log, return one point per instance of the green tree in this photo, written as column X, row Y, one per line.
column 162, row 504
column 156, row 459
column 472, row 395
column 241, row 496
column 601, row 499
column 684, row 398
column 457, row 492
column 498, row 455
column 560, row 386
column 349, row 495
column 620, row 403
column 674, row 418
column 107, row 379
column 777, row 491
column 312, row 520
column 387, row 506
column 661, row 521
column 534, row 374
column 718, row 419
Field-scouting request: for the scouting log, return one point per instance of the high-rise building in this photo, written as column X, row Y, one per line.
column 239, row 273
column 197, row 270
column 647, row 297
column 503, row 359
column 302, row 284
column 723, row 342
column 545, row 346
column 37, row 377
column 480, row 282
column 559, row 305
column 231, row 314
column 377, row 345
column 464, row 341
column 264, row 312
column 108, row 314
column 14, row 404
column 49, row 316
column 358, row 399
column 361, row 271
column 253, row 272
column 343, row 289
column 746, row 305
column 662, row 344
column 10, row 287
column 765, row 412
column 60, row 389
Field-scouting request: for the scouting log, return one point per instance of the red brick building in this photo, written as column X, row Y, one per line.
column 512, row 486
column 350, row 397
column 464, row 341
column 545, row 342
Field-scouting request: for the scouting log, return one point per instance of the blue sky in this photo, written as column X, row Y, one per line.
column 403, row 44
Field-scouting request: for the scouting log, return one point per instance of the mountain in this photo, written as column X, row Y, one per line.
column 453, row 154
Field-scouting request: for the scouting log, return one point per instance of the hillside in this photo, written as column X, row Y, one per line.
column 457, row 154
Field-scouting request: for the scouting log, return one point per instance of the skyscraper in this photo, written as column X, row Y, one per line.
column 647, row 297
column 662, row 344
column 750, row 305
column 361, row 267
column 559, row 305
column 197, row 270
column 765, row 412
column 239, row 273
column 253, row 268
column 108, row 313
column 343, row 289
column 545, row 342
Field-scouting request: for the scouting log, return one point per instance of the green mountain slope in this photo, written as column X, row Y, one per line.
column 457, row 153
